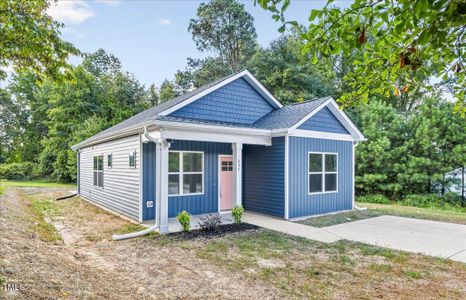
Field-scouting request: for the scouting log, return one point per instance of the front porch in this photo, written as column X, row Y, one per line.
column 202, row 176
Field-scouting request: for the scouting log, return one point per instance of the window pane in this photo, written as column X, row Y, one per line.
column 192, row 162
column 174, row 162
column 315, row 183
column 95, row 178
column 95, row 162
column 192, row 183
column 330, row 163
column 330, row 182
column 109, row 160
column 315, row 162
column 173, row 184
column 101, row 178
column 100, row 162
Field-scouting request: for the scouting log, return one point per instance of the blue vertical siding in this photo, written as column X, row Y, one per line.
column 236, row 102
column 207, row 202
column 264, row 178
column 148, row 180
column 324, row 120
column 300, row 202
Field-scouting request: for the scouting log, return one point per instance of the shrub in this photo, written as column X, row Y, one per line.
column 185, row 220
column 377, row 198
column 422, row 200
column 452, row 198
column 210, row 222
column 237, row 213
column 18, row 171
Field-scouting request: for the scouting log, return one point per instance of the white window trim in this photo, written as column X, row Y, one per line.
column 101, row 171
column 322, row 173
column 180, row 173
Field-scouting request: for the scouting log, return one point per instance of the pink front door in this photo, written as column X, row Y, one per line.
column 226, row 182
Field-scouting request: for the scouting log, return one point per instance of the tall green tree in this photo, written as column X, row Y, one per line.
column 167, row 90
column 400, row 41
column 30, row 39
column 225, row 28
column 289, row 74
column 200, row 72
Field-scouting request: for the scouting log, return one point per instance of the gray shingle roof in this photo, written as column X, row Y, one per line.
column 289, row 115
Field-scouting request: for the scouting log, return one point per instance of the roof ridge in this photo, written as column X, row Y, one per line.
column 311, row 100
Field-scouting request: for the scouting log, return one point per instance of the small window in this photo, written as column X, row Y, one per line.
column 185, row 173
column 109, row 160
column 132, row 159
column 322, row 173
column 99, row 170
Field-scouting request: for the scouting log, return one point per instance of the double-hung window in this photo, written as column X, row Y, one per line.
column 185, row 173
column 322, row 173
column 99, row 170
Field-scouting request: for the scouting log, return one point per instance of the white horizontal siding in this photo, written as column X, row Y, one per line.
column 120, row 192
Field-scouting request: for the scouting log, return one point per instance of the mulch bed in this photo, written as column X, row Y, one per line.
column 220, row 231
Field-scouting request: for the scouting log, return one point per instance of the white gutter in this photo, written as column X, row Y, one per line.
column 155, row 227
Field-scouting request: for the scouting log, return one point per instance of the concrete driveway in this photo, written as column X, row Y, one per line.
column 440, row 239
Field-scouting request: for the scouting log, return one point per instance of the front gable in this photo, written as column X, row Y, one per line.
column 324, row 120
column 235, row 102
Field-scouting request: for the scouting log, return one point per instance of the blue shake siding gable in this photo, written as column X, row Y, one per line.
column 325, row 121
column 300, row 202
column 236, row 102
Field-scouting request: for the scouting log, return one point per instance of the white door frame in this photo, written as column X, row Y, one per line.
column 219, row 168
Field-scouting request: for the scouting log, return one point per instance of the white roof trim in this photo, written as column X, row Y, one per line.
column 339, row 114
column 247, row 76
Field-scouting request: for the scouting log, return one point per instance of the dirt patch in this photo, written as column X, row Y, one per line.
column 88, row 264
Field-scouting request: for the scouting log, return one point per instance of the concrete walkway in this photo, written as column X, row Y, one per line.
column 292, row 228
column 433, row 238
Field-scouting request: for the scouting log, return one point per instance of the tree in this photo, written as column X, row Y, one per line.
column 226, row 28
column 30, row 39
column 100, row 63
column 400, row 41
column 152, row 95
column 167, row 91
column 289, row 75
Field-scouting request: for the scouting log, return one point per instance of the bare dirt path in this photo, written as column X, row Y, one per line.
column 86, row 264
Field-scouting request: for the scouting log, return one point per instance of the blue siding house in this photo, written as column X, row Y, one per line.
column 228, row 143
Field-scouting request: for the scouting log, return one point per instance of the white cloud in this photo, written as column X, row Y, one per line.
column 109, row 2
column 165, row 22
column 70, row 12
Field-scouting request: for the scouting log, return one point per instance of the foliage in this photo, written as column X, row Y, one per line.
column 30, row 39
column 237, row 213
column 167, row 91
column 210, row 222
column 19, row 171
column 376, row 198
column 185, row 220
column 408, row 153
column 224, row 27
column 400, row 41
column 289, row 74
column 200, row 72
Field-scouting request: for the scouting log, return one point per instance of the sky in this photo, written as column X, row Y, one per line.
column 151, row 37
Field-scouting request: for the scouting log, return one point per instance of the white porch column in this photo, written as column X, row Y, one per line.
column 161, row 178
column 238, row 174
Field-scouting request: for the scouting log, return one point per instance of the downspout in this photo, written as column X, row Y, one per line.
column 354, row 179
column 155, row 227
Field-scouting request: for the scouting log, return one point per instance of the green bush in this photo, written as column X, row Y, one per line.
column 19, row 171
column 185, row 220
column 377, row 198
column 422, row 200
column 237, row 213
column 452, row 198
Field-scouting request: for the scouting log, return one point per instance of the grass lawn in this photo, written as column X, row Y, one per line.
column 453, row 215
column 35, row 183
column 307, row 269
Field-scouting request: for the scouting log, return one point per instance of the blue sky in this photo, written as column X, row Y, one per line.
column 149, row 36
